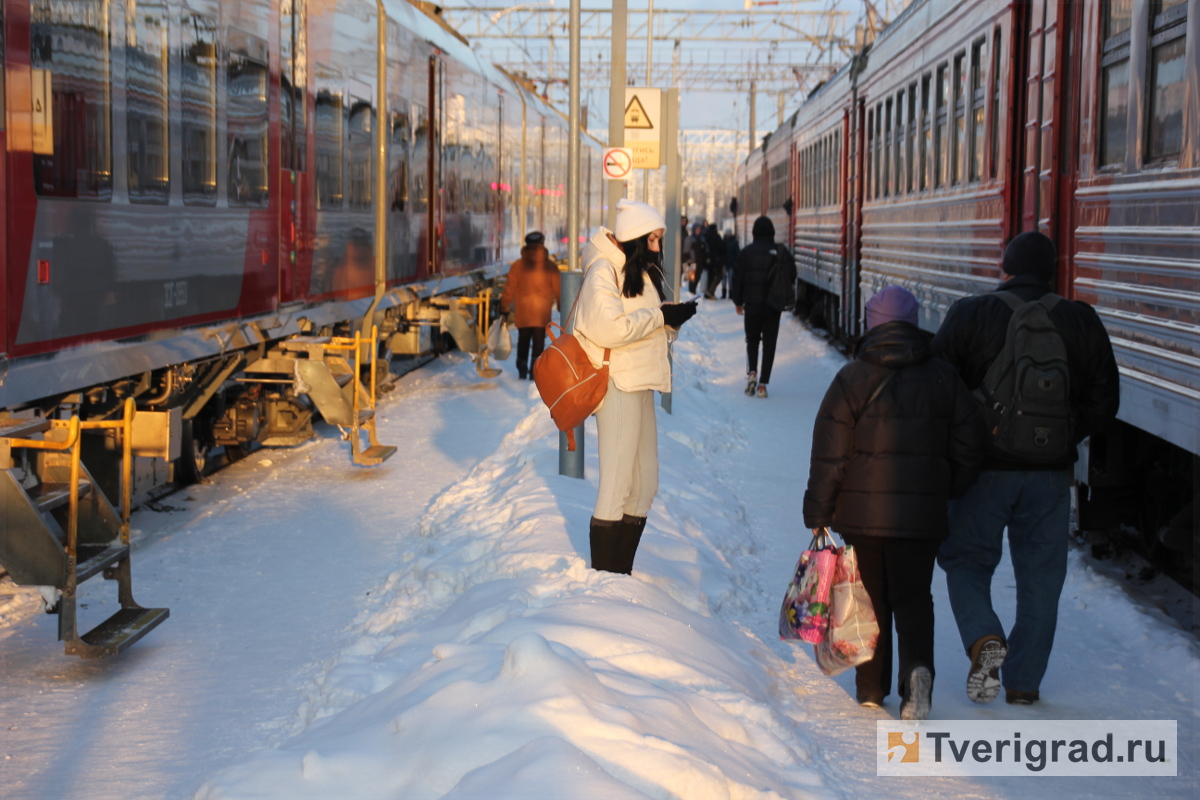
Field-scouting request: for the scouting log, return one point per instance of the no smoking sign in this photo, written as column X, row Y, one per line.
column 618, row 161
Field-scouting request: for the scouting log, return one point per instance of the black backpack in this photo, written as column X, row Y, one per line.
column 1026, row 394
column 781, row 281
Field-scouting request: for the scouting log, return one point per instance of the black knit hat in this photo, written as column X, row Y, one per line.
column 536, row 237
column 1031, row 253
column 763, row 228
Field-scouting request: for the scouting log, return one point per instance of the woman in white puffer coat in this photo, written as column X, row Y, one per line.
column 621, row 308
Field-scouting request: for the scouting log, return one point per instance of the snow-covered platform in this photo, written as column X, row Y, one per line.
column 429, row 628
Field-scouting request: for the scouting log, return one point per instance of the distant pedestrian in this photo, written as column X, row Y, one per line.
column 896, row 435
column 714, row 266
column 621, row 309
column 731, row 253
column 1027, row 473
column 530, row 293
column 698, row 249
column 750, row 291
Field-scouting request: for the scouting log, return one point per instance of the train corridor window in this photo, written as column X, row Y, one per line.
column 887, row 148
column 978, row 103
column 958, row 148
column 329, row 139
column 293, row 74
column 898, row 160
column 910, row 140
column 358, row 189
column 70, row 65
column 996, row 65
column 146, row 121
column 940, row 160
column 247, row 122
column 398, row 156
column 1168, row 79
column 1114, row 82
column 198, row 109
column 927, row 159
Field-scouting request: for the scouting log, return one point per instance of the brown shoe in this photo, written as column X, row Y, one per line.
column 983, row 679
column 1020, row 698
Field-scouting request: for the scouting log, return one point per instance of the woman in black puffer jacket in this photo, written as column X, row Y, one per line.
column 896, row 436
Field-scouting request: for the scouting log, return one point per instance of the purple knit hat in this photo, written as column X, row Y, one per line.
column 893, row 303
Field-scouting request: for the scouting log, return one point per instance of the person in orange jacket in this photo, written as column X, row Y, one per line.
column 531, row 291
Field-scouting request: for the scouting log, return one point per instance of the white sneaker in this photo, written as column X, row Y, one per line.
column 762, row 391
column 920, row 689
column 751, row 383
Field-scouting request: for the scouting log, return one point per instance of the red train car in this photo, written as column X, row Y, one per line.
column 965, row 123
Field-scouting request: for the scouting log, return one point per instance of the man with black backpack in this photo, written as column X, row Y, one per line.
column 763, row 287
column 1043, row 372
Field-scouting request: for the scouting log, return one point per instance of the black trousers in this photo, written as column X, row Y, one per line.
column 762, row 324
column 525, row 338
column 897, row 574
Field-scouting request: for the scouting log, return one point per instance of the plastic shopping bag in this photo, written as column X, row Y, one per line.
column 500, row 340
column 805, row 611
column 853, row 630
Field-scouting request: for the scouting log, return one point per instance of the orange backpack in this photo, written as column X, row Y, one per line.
column 568, row 383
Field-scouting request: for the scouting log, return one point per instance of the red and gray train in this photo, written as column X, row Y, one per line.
column 187, row 182
column 966, row 123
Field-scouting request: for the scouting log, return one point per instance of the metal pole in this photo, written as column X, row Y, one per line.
column 672, row 237
column 381, row 138
column 751, row 118
column 649, row 67
column 616, row 101
column 571, row 463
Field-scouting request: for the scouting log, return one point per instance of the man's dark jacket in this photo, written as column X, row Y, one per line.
column 973, row 333
column 754, row 262
column 888, row 468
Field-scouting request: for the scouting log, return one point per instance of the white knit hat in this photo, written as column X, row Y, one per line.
column 636, row 219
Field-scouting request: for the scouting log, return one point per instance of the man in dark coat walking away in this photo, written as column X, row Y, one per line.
column 715, row 263
column 750, row 291
column 1031, row 499
column 896, row 436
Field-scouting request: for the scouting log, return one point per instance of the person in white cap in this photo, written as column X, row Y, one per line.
column 621, row 308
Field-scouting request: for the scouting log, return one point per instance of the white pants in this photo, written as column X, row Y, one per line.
column 628, row 449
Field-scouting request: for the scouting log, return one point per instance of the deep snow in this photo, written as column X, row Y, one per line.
column 429, row 628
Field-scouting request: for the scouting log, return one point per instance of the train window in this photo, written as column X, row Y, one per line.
column 909, row 166
column 198, row 109
column 146, row 120
column 887, row 148
column 329, row 136
column 420, row 159
column 926, row 146
column 1168, row 79
column 1114, row 82
column 940, row 161
column 398, row 155
column 996, row 65
column 978, row 103
column 358, row 178
column 879, row 144
column 870, row 193
column 246, row 119
column 958, row 148
column 71, row 79
column 898, row 160
column 293, row 76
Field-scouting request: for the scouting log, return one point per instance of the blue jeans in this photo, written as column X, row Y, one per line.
column 1035, row 507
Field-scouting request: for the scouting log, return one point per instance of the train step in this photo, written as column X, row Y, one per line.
column 53, row 495
column 365, row 415
column 117, row 633
column 376, row 454
column 92, row 559
column 22, row 428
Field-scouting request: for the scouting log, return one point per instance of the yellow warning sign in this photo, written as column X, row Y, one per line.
column 636, row 116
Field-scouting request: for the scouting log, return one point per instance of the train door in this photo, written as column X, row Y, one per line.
column 295, row 213
column 1041, row 100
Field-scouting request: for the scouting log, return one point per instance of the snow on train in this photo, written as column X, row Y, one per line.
column 204, row 204
column 967, row 122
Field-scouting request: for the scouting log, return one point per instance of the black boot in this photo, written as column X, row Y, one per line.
column 606, row 539
column 631, row 537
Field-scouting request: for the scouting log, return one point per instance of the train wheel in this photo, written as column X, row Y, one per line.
column 195, row 445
